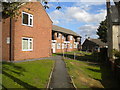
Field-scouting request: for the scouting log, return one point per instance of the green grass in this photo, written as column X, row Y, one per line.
column 84, row 74
column 33, row 74
column 54, row 54
column 89, row 71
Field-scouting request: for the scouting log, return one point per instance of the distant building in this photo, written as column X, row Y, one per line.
column 92, row 45
column 64, row 40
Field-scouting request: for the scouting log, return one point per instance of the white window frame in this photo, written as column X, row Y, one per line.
column 66, row 45
column 71, row 37
column 58, row 46
column 28, row 44
column 75, row 45
column 30, row 16
column 59, row 35
column 63, row 46
column 62, row 37
column 71, row 46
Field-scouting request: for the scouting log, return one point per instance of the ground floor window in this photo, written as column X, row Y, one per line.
column 75, row 45
column 62, row 45
column 71, row 46
column 27, row 44
column 58, row 46
column 65, row 45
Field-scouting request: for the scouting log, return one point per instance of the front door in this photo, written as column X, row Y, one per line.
column 54, row 47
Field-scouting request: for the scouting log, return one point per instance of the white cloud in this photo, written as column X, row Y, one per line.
column 89, row 30
column 56, row 22
column 70, row 14
column 83, row 16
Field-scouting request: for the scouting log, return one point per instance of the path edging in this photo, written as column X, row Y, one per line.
column 50, row 76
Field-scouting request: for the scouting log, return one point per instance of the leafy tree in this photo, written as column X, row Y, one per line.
column 102, row 31
column 11, row 9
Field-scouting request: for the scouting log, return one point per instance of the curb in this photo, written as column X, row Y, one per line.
column 50, row 76
column 73, row 83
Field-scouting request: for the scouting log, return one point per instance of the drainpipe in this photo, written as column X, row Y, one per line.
column 10, row 47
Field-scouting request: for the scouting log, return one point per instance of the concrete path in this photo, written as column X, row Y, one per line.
column 60, row 77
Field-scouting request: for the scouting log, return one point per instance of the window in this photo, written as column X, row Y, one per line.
column 75, row 45
column 27, row 19
column 62, row 36
column 71, row 37
column 27, row 44
column 66, row 45
column 58, row 35
column 58, row 46
column 71, row 46
column 62, row 45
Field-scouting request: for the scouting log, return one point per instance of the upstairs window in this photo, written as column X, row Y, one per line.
column 58, row 46
column 71, row 37
column 27, row 19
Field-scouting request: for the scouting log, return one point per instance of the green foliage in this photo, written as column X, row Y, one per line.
column 116, row 53
column 102, row 31
column 10, row 9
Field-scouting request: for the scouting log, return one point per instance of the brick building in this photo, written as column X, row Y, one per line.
column 64, row 40
column 92, row 45
column 28, row 36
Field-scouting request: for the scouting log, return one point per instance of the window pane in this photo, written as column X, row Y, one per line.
column 30, row 45
column 25, row 44
column 30, row 21
column 25, row 18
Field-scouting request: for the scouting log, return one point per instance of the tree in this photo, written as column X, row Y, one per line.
column 11, row 8
column 102, row 31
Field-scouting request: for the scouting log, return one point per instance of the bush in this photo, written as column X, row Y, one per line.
column 116, row 53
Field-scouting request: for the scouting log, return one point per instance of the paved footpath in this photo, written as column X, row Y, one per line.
column 60, row 77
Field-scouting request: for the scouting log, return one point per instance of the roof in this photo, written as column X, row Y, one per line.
column 95, row 41
column 98, row 42
column 64, row 30
column 115, row 15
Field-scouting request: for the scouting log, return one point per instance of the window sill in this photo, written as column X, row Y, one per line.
column 27, row 50
column 27, row 25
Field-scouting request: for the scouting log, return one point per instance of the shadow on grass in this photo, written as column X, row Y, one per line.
column 107, row 76
column 94, row 70
column 94, row 57
column 8, row 68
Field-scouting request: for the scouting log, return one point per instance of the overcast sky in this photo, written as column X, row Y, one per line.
column 81, row 17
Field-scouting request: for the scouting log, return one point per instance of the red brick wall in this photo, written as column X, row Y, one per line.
column 40, row 32
column 5, row 34
column 60, row 40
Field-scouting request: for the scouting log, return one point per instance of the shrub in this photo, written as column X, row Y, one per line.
column 116, row 53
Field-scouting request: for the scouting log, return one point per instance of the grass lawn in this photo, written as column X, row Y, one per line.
column 84, row 75
column 31, row 74
column 88, row 71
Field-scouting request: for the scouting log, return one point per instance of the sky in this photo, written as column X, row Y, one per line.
column 81, row 17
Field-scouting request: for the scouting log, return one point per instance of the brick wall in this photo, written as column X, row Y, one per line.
column 61, row 41
column 40, row 32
